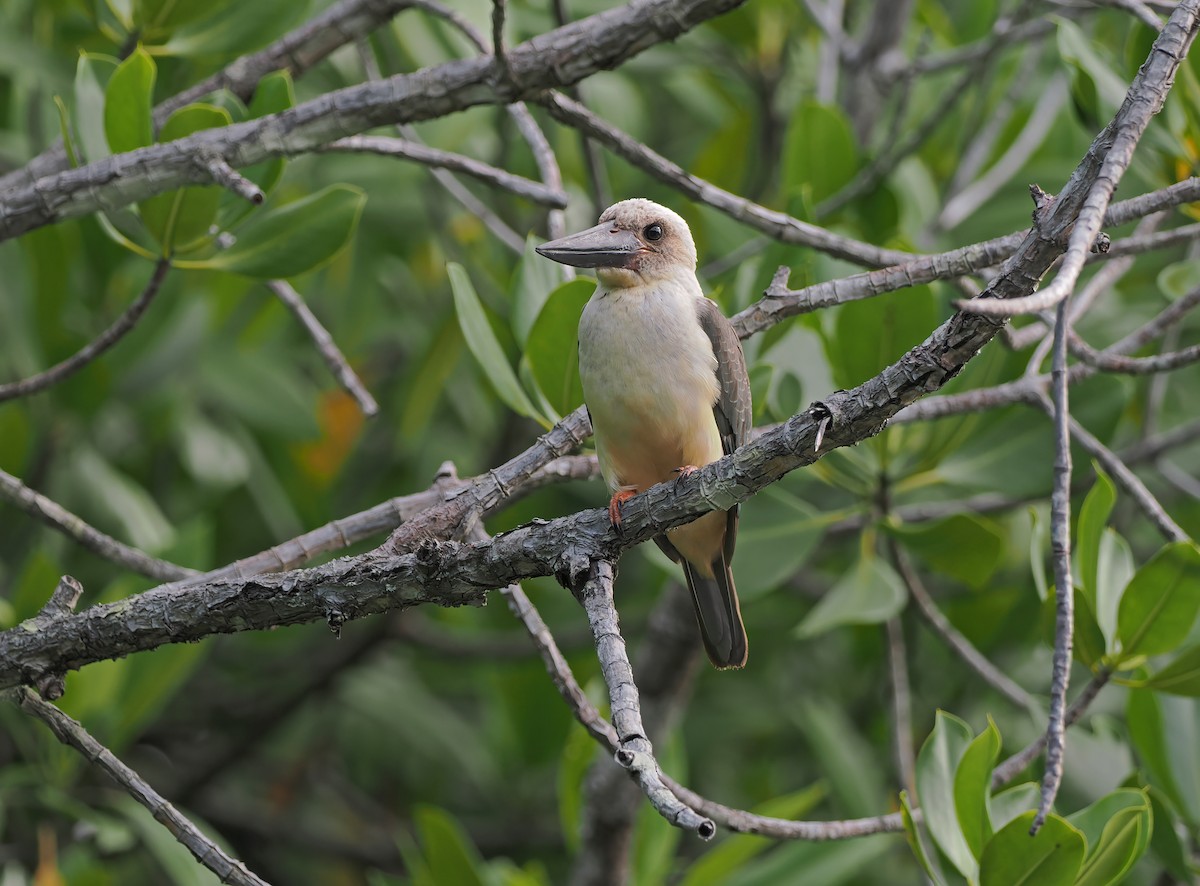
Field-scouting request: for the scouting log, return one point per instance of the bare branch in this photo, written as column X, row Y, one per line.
column 296, row 51
column 561, row 57
column 959, row 644
column 326, row 347
column 1127, row 480
column 71, row 733
column 602, row 731
column 634, row 751
column 420, row 153
column 776, row 224
column 1064, row 586
column 543, row 155
column 57, row 517
column 1117, row 143
column 779, row 302
column 229, row 178
column 96, row 347
column 966, row 201
column 1011, row 768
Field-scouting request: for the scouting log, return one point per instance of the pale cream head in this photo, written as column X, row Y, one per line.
column 665, row 245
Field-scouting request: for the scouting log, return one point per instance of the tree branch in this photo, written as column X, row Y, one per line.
column 71, row 733
column 96, row 347
column 561, row 57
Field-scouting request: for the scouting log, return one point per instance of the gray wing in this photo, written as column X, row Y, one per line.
column 733, row 409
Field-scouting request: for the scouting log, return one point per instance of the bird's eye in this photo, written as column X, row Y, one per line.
column 653, row 232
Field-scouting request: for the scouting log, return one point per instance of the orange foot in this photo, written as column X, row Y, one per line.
column 685, row 471
column 619, row 498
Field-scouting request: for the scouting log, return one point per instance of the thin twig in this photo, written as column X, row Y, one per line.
column 297, row 51
column 419, row 153
column 1134, row 365
column 1045, row 113
column 229, row 178
column 326, row 347
column 779, row 302
column 96, row 347
column 634, row 750
column 498, row 12
column 1010, row 768
column 531, row 132
column 1125, row 132
column 57, row 517
column 734, row 819
column 1104, row 279
column 1126, row 479
column 953, row 638
column 1064, row 588
column 777, row 224
column 71, row 733
column 472, row 204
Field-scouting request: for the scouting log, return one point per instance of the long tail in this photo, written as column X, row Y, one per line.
column 718, row 612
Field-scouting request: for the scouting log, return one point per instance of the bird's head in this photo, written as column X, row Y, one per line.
column 636, row 242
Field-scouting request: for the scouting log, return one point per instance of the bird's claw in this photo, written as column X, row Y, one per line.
column 614, row 505
column 684, row 471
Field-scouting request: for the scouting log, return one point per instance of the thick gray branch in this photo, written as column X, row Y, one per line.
column 558, row 58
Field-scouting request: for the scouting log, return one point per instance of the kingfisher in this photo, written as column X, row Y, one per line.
column 665, row 382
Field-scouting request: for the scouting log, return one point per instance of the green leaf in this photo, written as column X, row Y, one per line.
column 1164, row 839
column 449, row 855
column 1181, row 676
column 1161, row 601
column 234, row 30
column 937, row 764
column 128, row 99
column 180, row 218
column 92, row 75
column 820, row 154
column 1089, row 643
column 871, row 592
column 1178, row 279
column 1011, row 802
column 64, row 130
column 1051, row 858
column 1092, row 820
column 122, row 501
column 292, row 239
column 483, row 344
column 578, row 753
column 941, row 544
column 1039, row 531
column 913, row 836
column 1093, row 517
column 972, row 786
column 1113, row 575
column 852, row 767
column 872, row 334
column 551, row 345
column 1164, row 732
column 722, row 863
column 1078, row 49
column 1123, row 841
column 778, row 532
column 534, row 281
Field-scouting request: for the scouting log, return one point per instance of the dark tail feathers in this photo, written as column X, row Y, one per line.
column 718, row 613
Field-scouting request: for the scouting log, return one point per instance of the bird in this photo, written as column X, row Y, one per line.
column 665, row 383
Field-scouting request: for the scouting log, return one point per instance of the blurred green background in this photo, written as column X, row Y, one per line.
column 430, row 746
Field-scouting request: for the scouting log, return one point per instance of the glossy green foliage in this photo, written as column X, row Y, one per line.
column 430, row 746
